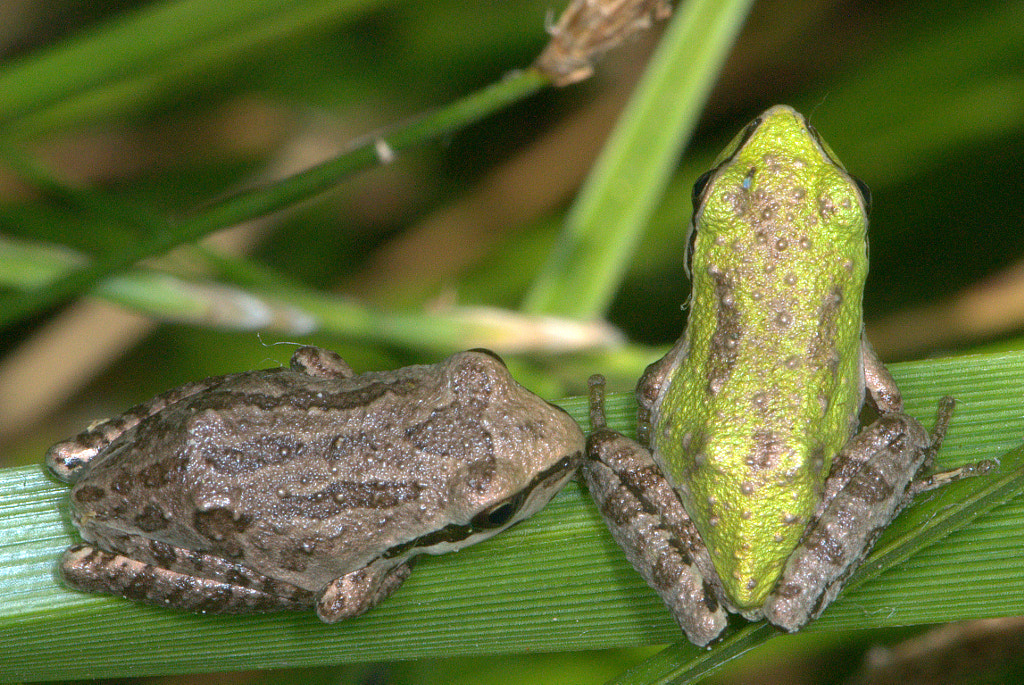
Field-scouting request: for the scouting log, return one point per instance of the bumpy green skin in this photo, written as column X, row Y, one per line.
column 769, row 381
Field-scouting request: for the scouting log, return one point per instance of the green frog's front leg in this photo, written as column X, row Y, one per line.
column 873, row 478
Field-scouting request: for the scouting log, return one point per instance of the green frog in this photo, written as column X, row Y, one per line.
column 751, row 490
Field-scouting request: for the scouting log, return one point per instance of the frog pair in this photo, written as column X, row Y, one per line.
column 313, row 486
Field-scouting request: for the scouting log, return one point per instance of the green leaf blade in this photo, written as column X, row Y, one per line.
column 555, row 583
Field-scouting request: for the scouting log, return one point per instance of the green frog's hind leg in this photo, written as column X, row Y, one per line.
column 937, row 480
column 884, row 395
column 878, row 382
column 650, row 386
column 871, row 493
column 648, row 521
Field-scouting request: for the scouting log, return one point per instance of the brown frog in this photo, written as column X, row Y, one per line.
column 308, row 486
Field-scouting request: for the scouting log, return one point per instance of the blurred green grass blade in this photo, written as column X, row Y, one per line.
column 974, row 97
column 148, row 51
column 604, row 225
column 559, row 575
column 684, row 663
column 445, row 329
column 263, row 300
column 276, row 196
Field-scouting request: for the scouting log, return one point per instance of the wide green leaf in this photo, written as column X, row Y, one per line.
column 555, row 583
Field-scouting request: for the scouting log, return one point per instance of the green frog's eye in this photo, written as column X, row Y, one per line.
column 865, row 193
column 699, row 186
column 689, row 243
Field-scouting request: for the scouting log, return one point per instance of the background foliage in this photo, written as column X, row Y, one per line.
column 117, row 117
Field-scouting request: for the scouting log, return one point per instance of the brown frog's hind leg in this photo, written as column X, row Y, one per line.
column 190, row 562
column 66, row 459
column 359, row 591
column 88, row 568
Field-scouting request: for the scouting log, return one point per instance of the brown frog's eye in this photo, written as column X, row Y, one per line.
column 489, row 353
column 500, row 514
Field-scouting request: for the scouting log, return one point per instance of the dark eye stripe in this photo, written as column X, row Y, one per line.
column 494, row 517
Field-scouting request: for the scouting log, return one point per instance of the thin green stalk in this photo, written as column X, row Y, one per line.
column 251, row 204
column 252, row 297
column 604, row 225
column 177, row 37
column 683, row 663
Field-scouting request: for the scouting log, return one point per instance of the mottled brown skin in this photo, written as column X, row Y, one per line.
column 289, row 488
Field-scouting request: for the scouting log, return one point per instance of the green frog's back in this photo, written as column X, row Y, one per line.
column 771, row 382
